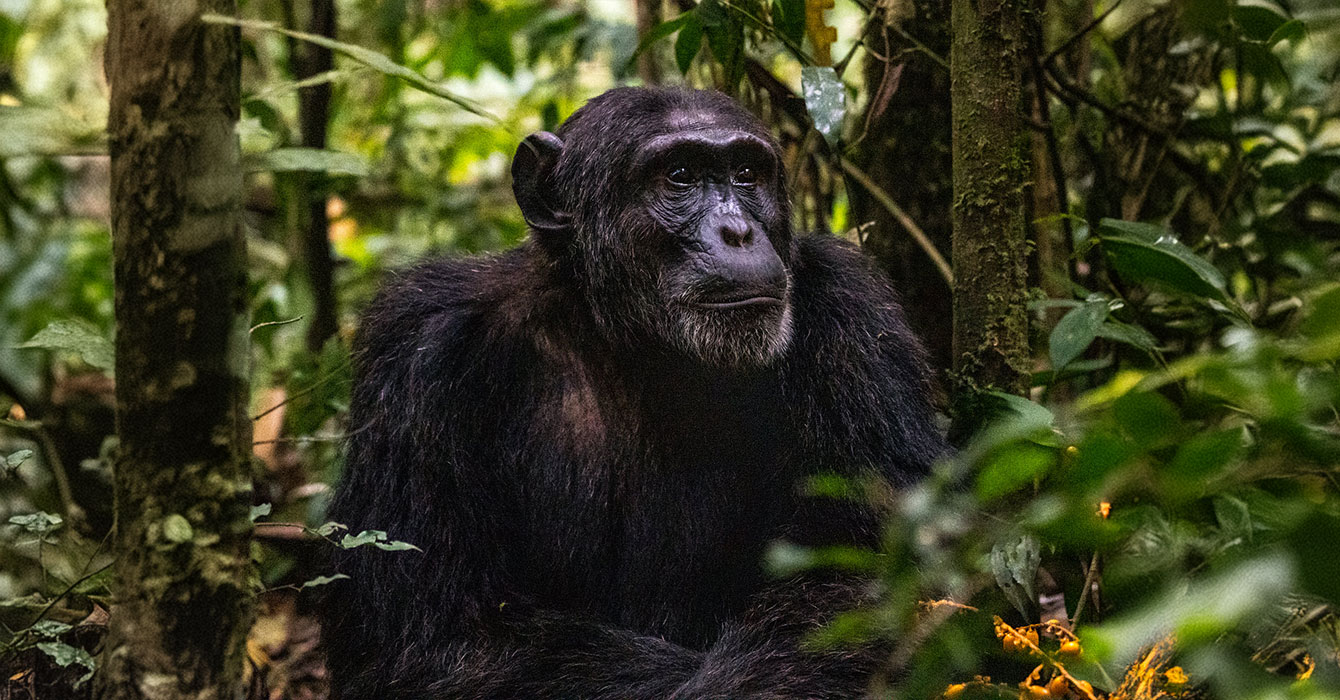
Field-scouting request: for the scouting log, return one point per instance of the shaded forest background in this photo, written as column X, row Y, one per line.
column 1148, row 420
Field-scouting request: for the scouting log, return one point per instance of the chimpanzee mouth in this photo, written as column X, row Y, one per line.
column 751, row 301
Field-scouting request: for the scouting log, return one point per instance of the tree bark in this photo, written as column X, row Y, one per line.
column 314, row 120
column 990, row 157
column 183, row 599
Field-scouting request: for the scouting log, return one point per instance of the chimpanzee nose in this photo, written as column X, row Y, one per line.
column 736, row 232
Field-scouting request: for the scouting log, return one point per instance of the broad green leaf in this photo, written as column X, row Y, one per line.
column 305, row 159
column 1144, row 252
column 1075, row 332
column 39, row 523
column 825, row 99
column 367, row 57
column 322, row 580
column 78, row 336
column 1147, row 418
column 1258, row 22
column 65, row 655
column 37, row 131
column 1292, row 31
column 689, row 42
column 176, row 528
column 1015, row 566
column 260, row 511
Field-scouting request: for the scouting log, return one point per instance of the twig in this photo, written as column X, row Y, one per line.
column 1065, row 46
column 886, row 200
column 1089, row 578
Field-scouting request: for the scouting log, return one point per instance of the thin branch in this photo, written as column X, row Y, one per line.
column 889, row 204
column 1065, row 46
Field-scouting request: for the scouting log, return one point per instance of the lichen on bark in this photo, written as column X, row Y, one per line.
column 183, row 598
column 991, row 172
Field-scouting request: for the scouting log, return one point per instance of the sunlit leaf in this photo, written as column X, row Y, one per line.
column 77, row 336
column 367, row 57
column 825, row 99
column 65, row 655
column 322, row 580
column 30, row 131
column 305, row 159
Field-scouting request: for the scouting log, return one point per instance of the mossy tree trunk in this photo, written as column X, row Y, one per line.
column 991, row 171
column 183, row 600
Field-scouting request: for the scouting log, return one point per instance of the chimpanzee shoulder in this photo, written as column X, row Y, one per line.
column 856, row 375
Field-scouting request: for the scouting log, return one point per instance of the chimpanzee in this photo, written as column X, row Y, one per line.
column 595, row 436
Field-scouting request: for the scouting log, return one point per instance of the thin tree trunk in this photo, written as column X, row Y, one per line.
column 648, row 16
column 990, row 156
column 314, row 119
column 183, row 602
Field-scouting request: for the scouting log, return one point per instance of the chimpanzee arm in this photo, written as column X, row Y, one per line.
column 447, row 623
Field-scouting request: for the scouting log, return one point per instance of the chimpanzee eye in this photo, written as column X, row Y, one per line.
column 745, row 176
column 680, row 176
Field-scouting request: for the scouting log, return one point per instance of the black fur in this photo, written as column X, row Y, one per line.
column 593, row 489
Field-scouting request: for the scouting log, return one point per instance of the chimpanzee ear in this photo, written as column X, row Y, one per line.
column 532, row 182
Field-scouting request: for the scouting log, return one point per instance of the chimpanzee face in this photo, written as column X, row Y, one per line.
column 680, row 229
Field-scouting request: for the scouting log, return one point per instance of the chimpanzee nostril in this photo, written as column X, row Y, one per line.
column 736, row 233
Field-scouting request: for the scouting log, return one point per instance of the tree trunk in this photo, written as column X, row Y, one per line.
column 183, row 600
column 314, row 120
column 990, row 155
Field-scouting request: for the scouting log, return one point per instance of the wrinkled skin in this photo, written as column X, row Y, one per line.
column 595, row 436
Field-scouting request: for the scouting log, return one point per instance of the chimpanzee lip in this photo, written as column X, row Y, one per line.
column 758, row 300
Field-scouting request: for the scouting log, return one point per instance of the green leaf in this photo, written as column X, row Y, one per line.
column 376, row 538
column 1148, row 418
column 50, row 628
column 322, row 580
column 825, row 99
column 16, row 458
column 689, row 42
column 78, row 336
column 367, row 57
column 176, row 528
column 260, row 511
column 1128, row 334
column 1258, row 21
column 1013, row 467
column 1075, row 332
column 1015, row 566
column 37, row 131
column 65, row 655
column 37, row 523
column 660, row 31
column 305, row 159
column 788, row 19
column 1293, row 31
column 1202, row 609
column 329, row 528
column 1144, row 252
